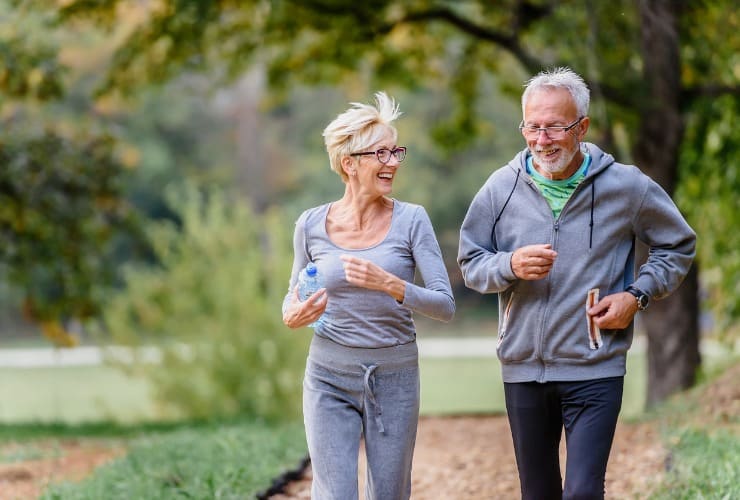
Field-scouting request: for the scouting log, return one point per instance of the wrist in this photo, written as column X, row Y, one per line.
column 642, row 299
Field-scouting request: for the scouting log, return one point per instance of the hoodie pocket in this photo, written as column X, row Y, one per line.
column 505, row 321
column 514, row 344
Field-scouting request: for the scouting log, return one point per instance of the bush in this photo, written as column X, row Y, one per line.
column 212, row 306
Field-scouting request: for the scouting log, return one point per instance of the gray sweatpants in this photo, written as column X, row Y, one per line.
column 350, row 393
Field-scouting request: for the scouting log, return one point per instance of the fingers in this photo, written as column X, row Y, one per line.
column 301, row 313
column 615, row 311
column 359, row 271
column 533, row 262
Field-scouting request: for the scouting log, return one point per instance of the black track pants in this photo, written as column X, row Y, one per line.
column 537, row 414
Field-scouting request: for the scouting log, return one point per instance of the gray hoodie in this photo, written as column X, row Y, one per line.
column 543, row 332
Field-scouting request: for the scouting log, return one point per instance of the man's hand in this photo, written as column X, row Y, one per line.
column 615, row 311
column 533, row 262
column 299, row 314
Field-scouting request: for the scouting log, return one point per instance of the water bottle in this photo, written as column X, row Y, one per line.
column 308, row 282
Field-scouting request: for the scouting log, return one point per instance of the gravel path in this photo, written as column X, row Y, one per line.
column 473, row 458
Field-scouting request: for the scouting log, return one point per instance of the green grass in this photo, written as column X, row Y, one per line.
column 223, row 461
column 238, row 458
column 73, row 395
column 703, row 466
column 452, row 386
column 86, row 394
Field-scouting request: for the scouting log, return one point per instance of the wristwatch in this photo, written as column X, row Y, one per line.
column 642, row 298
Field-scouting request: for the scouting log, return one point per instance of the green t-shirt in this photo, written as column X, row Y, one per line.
column 557, row 192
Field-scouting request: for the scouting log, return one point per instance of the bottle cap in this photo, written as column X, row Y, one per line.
column 311, row 269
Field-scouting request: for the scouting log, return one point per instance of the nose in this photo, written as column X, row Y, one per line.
column 543, row 133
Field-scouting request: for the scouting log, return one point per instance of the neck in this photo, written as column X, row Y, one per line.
column 358, row 209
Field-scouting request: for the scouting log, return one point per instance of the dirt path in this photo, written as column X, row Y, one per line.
column 473, row 458
column 48, row 462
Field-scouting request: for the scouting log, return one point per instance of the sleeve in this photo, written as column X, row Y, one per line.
column 435, row 298
column 484, row 268
column 672, row 243
column 300, row 256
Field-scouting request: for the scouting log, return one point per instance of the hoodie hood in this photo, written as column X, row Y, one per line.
column 600, row 160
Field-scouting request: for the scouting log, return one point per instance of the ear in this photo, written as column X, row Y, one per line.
column 348, row 165
column 583, row 127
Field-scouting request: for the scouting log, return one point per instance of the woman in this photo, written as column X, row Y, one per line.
column 362, row 376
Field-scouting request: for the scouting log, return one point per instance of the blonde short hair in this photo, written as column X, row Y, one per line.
column 358, row 128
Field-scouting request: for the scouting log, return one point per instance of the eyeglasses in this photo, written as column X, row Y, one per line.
column 554, row 133
column 384, row 154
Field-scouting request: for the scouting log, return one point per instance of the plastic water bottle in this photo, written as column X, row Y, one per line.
column 308, row 282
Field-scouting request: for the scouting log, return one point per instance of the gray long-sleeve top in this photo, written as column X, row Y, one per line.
column 359, row 317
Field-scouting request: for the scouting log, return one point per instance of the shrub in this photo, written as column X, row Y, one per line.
column 211, row 306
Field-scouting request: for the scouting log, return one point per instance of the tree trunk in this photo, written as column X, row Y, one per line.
column 672, row 324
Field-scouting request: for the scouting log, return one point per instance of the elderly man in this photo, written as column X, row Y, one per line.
column 550, row 232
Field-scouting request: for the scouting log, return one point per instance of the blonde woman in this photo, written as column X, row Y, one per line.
column 362, row 377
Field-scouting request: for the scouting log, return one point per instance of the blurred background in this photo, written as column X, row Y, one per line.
column 154, row 155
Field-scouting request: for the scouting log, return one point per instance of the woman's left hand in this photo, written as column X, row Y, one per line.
column 365, row 274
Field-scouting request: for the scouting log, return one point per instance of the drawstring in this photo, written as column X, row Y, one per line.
column 493, row 229
column 591, row 223
column 369, row 371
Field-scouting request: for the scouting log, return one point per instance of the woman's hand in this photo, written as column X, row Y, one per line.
column 365, row 274
column 298, row 314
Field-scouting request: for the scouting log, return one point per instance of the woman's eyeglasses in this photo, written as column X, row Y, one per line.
column 384, row 154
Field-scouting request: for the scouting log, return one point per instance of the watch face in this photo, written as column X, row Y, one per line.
column 642, row 301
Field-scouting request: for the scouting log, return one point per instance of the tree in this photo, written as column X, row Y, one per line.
column 60, row 188
column 642, row 91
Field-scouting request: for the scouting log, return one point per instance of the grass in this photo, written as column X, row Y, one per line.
column 73, row 394
column 83, row 394
column 223, row 461
column 452, row 386
column 703, row 466
column 237, row 459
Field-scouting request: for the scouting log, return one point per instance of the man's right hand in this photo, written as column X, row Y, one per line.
column 533, row 262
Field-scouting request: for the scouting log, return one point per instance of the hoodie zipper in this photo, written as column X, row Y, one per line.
column 539, row 352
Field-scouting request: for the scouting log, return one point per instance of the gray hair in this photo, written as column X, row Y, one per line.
column 560, row 78
column 358, row 128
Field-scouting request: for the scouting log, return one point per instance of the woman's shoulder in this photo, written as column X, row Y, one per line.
column 408, row 209
column 313, row 214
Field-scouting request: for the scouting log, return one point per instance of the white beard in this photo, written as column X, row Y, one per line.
column 555, row 166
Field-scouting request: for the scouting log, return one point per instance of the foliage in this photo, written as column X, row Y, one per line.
column 30, row 67
column 448, row 45
column 212, row 305
column 225, row 461
column 60, row 211
column 709, row 195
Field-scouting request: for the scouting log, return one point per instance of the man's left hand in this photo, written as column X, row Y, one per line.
column 615, row 311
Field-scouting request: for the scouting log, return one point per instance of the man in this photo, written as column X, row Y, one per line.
column 548, row 232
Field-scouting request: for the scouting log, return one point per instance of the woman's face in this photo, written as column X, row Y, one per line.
column 372, row 176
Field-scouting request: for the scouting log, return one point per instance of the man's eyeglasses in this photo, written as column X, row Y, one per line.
column 384, row 154
column 554, row 133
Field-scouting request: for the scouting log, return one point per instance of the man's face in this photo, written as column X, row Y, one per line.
column 555, row 158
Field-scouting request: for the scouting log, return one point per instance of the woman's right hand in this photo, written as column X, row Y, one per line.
column 299, row 314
